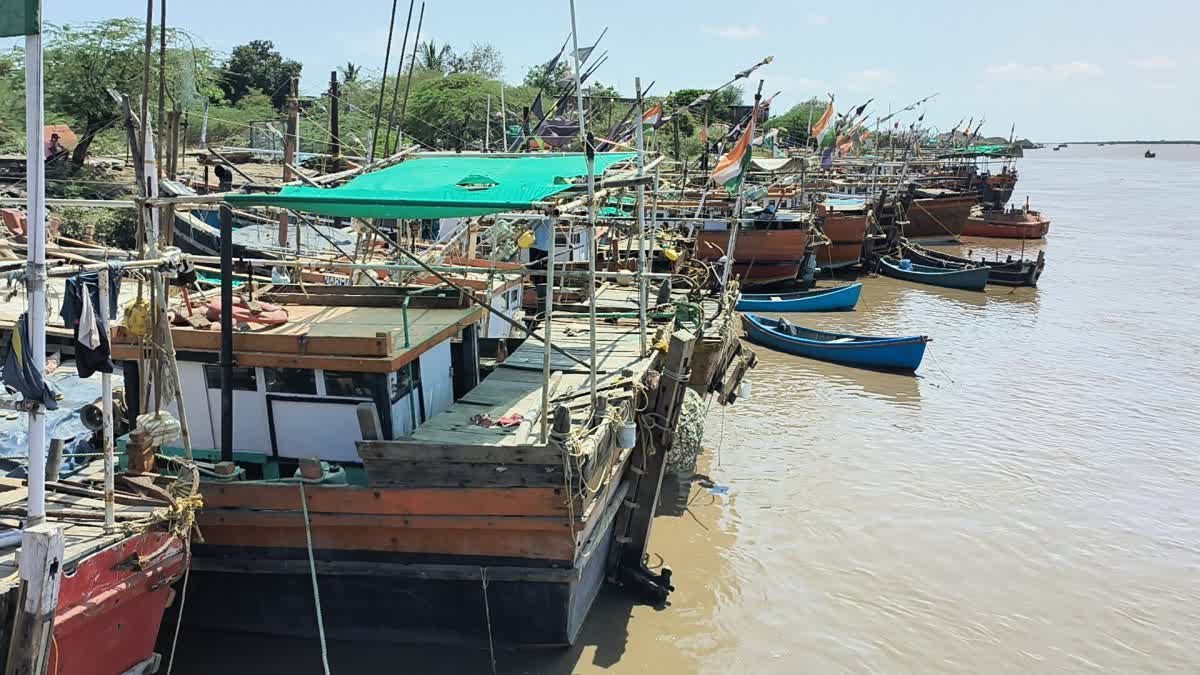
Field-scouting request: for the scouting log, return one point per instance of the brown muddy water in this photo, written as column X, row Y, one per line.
column 1030, row 502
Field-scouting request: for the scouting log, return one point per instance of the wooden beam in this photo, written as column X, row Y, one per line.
column 33, row 626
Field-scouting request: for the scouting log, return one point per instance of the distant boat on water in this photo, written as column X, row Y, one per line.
column 1151, row 155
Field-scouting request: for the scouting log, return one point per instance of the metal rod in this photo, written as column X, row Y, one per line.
column 35, row 176
column 408, row 83
column 226, row 334
column 641, row 218
column 387, row 55
column 110, row 521
column 591, row 206
column 387, row 139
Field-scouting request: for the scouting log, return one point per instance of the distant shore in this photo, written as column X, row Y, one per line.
column 1124, row 143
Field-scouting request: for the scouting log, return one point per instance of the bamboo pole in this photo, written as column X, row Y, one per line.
column 641, row 218
column 590, row 150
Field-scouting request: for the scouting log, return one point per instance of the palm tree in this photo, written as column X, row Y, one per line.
column 350, row 71
column 432, row 57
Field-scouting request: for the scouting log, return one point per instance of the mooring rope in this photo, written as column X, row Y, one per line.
column 312, row 568
column 487, row 615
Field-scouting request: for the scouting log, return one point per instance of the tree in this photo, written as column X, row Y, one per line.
column 450, row 111
column 350, row 72
column 483, row 59
column 552, row 81
column 794, row 123
column 84, row 63
column 432, row 57
column 256, row 66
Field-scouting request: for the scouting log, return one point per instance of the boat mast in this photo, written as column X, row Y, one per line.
column 590, row 150
column 35, row 172
column 735, row 224
column 641, row 216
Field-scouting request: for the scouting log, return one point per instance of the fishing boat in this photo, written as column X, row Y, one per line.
column 769, row 250
column 1007, row 224
column 1008, row 272
column 1150, row 155
column 886, row 353
column 937, row 214
column 844, row 224
column 818, row 300
column 963, row 279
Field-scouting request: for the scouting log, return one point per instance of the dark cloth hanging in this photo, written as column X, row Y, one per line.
column 89, row 359
column 20, row 374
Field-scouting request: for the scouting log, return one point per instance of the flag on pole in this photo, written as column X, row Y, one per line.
column 731, row 168
column 823, row 125
column 20, row 17
column 652, row 117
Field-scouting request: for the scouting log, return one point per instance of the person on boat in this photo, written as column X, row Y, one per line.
column 224, row 178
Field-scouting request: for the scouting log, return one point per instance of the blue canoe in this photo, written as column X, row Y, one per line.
column 820, row 300
column 889, row 353
column 967, row 279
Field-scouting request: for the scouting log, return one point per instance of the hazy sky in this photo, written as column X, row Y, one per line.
column 1058, row 69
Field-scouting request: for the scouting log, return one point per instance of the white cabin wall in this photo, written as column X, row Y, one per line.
column 437, row 379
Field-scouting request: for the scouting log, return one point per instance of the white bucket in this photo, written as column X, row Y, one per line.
column 744, row 390
column 627, row 435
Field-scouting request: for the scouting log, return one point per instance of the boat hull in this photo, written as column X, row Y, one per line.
column 846, row 233
column 903, row 354
column 1019, row 225
column 760, row 257
column 1003, row 273
column 938, row 219
column 823, row 300
column 972, row 279
column 110, row 608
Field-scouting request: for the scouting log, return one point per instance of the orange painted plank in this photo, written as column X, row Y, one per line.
column 267, row 519
column 414, row 501
column 536, row 545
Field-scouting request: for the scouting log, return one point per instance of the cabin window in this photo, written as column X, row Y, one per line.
column 348, row 384
column 244, row 379
column 400, row 383
column 291, row 380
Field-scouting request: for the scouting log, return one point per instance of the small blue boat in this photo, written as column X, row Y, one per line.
column 973, row 279
column 886, row 353
column 819, row 300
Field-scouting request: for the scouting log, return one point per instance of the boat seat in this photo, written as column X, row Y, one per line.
column 841, row 340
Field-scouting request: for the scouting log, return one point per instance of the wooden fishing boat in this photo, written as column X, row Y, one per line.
column 761, row 256
column 886, row 353
column 963, row 279
column 818, row 300
column 937, row 214
column 844, row 224
column 1010, row 224
column 1150, row 155
column 1008, row 272
column 117, row 585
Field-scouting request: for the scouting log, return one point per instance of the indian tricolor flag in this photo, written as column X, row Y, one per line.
column 732, row 168
column 651, row 117
column 823, row 125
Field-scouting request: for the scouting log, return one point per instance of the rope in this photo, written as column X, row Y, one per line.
column 187, row 573
column 312, row 568
column 487, row 614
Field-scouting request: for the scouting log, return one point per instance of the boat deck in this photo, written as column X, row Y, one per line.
column 78, row 508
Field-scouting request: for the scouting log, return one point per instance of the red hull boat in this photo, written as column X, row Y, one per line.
column 761, row 257
column 846, row 232
column 1015, row 224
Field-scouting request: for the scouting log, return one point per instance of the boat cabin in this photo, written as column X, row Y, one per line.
column 329, row 356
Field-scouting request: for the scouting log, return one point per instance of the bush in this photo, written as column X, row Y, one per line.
column 109, row 227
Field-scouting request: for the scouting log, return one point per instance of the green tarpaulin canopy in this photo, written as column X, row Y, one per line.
column 441, row 186
column 980, row 151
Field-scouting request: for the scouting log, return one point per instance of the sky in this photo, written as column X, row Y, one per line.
column 1056, row 69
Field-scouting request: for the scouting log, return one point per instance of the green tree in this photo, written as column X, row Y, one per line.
column 350, row 72
column 432, row 57
column 482, row 59
column 551, row 81
column 84, row 63
column 257, row 66
column 451, row 111
column 794, row 123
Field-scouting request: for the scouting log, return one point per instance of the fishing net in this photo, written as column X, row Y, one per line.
column 689, row 436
